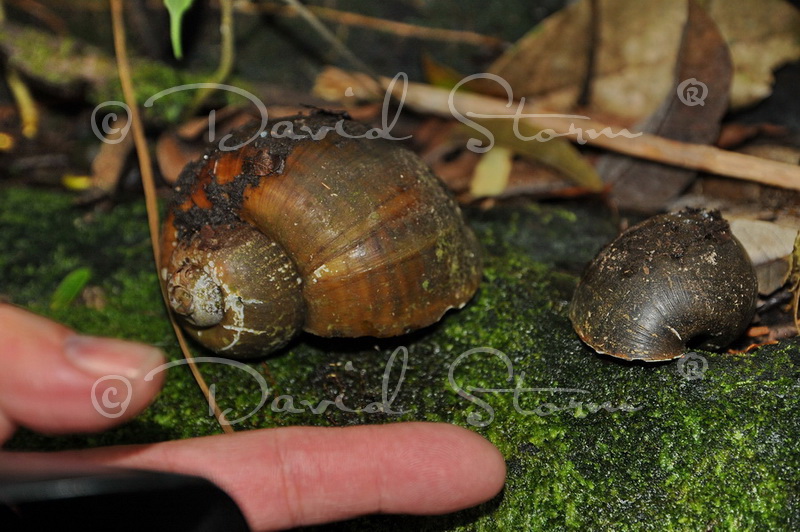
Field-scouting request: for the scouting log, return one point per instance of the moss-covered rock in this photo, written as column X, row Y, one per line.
column 709, row 441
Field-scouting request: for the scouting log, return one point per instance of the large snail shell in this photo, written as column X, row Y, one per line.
column 673, row 281
column 337, row 236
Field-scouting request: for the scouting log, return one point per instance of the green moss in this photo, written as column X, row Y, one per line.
column 616, row 445
column 75, row 67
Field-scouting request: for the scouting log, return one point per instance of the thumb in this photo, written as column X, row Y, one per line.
column 54, row 380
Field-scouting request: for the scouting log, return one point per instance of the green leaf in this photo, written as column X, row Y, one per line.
column 69, row 288
column 542, row 146
column 176, row 10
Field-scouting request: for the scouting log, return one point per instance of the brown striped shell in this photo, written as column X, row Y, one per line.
column 337, row 236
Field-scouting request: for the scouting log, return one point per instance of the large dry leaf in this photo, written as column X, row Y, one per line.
column 634, row 45
column 637, row 48
column 647, row 186
column 551, row 61
column 762, row 35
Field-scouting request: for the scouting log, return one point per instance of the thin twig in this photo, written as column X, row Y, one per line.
column 401, row 29
column 226, row 59
column 227, row 34
column 695, row 156
column 148, row 182
column 434, row 100
column 347, row 18
column 42, row 13
column 329, row 37
column 592, row 52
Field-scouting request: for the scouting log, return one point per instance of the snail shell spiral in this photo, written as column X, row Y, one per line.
column 336, row 236
column 673, row 281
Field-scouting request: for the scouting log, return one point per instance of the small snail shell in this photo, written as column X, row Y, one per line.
column 671, row 281
column 337, row 236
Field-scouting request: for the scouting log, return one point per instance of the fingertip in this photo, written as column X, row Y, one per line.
column 124, row 378
column 482, row 463
column 458, row 467
column 98, row 357
column 56, row 381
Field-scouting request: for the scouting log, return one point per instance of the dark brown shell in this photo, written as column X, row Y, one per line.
column 673, row 280
column 377, row 245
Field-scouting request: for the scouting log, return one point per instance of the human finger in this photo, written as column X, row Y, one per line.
column 55, row 380
column 287, row 477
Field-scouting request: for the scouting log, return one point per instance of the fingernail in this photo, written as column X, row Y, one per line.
column 99, row 357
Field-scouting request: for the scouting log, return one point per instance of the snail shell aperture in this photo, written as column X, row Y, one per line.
column 337, row 236
column 673, row 281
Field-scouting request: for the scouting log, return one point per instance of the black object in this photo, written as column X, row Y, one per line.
column 38, row 495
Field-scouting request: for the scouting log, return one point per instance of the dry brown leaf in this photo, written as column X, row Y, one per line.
column 734, row 134
column 762, row 35
column 447, row 103
column 647, row 186
column 634, row 55
column 637, row 50
column 456, row 172
column 526, row 178
column 550, row 61
column 111, row 160
column 634, row 46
